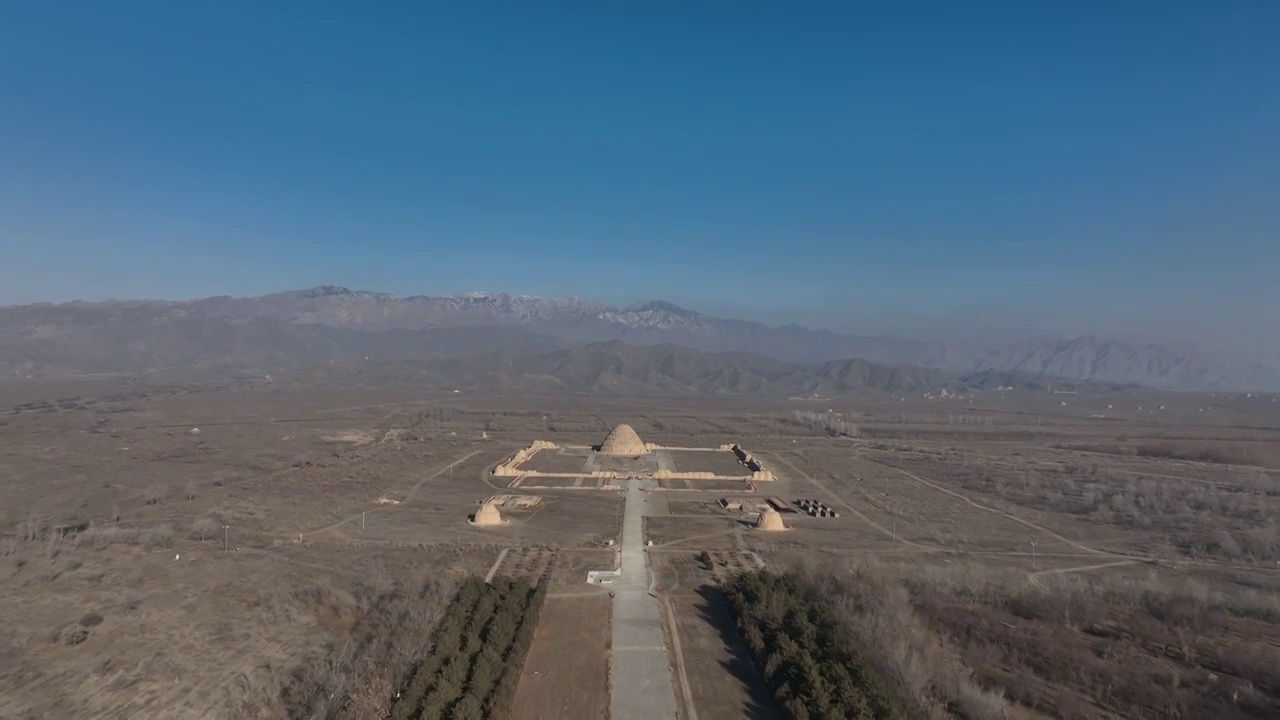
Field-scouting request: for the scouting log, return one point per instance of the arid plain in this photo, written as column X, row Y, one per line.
column 202, row 552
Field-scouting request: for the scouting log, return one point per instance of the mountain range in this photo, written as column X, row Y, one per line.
column 535, row 337
column 617, row 368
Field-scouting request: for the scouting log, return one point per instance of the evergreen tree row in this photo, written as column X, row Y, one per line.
column 814, row 673
column 476, row 653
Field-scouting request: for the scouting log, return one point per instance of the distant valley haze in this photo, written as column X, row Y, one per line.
column 501, row 341
column 1085, row 189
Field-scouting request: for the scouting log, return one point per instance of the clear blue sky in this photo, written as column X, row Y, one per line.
column 1104, row 166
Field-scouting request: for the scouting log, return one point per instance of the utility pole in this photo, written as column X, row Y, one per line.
column 362, row 512
column 895, row 531
column 226, row 537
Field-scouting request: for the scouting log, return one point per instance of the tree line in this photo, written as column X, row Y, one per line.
column 813, row 671
column 476, row 653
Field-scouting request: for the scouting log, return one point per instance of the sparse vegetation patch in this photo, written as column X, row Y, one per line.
column 824, row 422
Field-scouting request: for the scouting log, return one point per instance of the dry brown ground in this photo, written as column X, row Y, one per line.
column 186, row 630
column 719, row 678
column 717, row 462
column 566, row 674
column 568, row 461
column 722, row 680
column 942, row 488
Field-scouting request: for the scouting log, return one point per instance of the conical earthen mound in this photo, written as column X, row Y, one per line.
column 622, row 440
column 770, row 520
column 487, row 515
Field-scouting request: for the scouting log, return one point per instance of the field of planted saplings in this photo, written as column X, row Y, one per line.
column 476, row 653
column 811, row 669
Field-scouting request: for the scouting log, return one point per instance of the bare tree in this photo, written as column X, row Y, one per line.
column 203, row 527
column 825, row 422
column 156, row 493
column 30, row 529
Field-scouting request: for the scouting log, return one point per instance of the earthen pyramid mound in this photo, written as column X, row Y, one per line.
column 622, row 440
column 770, row 520
column 487, row 515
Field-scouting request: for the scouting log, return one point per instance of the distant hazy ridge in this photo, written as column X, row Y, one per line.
column 533, row 337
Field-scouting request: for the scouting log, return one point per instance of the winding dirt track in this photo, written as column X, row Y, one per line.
column 835, row 498
column 1032, row 577
column 1009, row 516
column 407, row 498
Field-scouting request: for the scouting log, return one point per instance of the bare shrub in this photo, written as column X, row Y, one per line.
column 1139, row 647
column 52, row 545
column 127, row 602
column 148, row 537
column 203, row 527
column 1233, row 518
column 876, row 611
column 30, row 530
column 824, row 422
column 1223, row 452
column 358, row 676
column 75, row 637
column 156, row 493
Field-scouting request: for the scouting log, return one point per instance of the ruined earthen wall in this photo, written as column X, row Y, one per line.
column 511, row 467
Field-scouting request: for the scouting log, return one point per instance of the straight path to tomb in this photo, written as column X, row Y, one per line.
column 641, row 686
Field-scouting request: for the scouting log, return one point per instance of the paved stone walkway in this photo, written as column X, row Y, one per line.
column 641, row 676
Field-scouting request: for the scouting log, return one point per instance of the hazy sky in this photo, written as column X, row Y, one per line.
column 1110, row 167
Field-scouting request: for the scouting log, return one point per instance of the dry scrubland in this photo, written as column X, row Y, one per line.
column 1011, row 556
